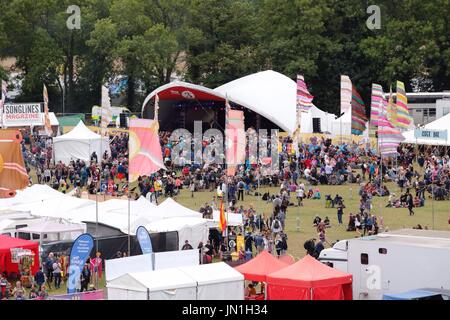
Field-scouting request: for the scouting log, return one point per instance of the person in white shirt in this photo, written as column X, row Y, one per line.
column 300, row 195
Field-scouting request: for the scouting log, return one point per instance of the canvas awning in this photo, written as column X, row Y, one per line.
column 309, row 279
column 258, row 268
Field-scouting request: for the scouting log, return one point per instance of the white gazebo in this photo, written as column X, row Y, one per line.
column 79, row 143
column 49, row 230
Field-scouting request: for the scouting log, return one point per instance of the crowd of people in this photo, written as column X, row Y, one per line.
column 300, row 175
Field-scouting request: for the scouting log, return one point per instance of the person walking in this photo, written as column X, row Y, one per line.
column 410, row 202
column 57, row 274
column 340, row 211
column 39, row 277
column 49, row 268
column 241, row 186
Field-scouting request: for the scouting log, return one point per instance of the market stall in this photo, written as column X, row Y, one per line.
column 309, row 279
column 19, row 257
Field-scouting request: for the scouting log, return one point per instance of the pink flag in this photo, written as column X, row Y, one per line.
column 145, row 148
column 235, row 139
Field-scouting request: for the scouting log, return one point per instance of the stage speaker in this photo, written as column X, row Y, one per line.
column 316, row 125
column 123, row 120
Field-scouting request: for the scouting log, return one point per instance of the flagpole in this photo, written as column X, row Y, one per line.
column 129, row 217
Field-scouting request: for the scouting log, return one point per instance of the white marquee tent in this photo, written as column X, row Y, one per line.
column 166, row 284
column 214, row 281
column 51, row 230
column 343, row 125
column 439, row 124
column 79, row 143
column 115, row 268
column 171, row 209
column 195, row 230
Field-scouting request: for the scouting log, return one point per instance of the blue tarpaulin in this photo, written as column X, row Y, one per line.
column 411, row 295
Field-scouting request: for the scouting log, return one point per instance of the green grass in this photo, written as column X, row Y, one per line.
column 393, row 218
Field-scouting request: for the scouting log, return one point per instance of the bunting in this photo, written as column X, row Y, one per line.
column 389, row 137
column 235, row 139
column 48, row 126
column 404, row 119
column 376, row 104
column 346, row 94
column 358, row 110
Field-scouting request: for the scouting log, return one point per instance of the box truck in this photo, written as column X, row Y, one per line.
column 393, row 262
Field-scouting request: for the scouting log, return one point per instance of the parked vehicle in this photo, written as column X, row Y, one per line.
column 393, row 262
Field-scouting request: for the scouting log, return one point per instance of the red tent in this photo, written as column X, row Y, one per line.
column 260, row 266
column 287, row 258
column 309, row 279
column 8, row 243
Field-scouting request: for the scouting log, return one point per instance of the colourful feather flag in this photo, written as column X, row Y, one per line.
column 13, row 173
column 222, row 218
column 106, row 110
column 144, row 148
column 235, row 139
column 391, row 109
column 376, row 104
column 48, row 126
column 404, row 119
column 346, row 94
column 304, row 98
column 389, row 137
column 3, row 99
column 359, row 117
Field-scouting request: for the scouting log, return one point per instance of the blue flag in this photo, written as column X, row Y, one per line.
column 81, row 250
column 144, row 240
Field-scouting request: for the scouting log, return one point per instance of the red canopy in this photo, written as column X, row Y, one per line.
column 8, row 243
column 309, row 279
column 287, row 258
column 260, row 266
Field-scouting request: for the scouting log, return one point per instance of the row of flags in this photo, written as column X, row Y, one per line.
column 386, row 118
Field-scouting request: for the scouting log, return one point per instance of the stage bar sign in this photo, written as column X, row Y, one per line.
column 430, row 134
column 23, row 115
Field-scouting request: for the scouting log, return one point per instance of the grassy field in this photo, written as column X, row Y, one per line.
column 393, row 218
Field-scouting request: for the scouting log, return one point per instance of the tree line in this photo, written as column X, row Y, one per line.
column 221, row 40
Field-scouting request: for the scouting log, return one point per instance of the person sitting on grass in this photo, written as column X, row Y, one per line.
column 316, row 221
column 327, row 222
column 316, row 194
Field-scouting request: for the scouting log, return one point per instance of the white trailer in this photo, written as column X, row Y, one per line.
column 393, row 262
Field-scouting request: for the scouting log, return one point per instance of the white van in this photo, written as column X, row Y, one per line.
column 393, row 262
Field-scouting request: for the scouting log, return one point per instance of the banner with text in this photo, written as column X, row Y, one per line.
column 430, row 134
column 23, row 115
column 80, row 252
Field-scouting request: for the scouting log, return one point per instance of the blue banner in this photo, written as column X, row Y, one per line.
column 80, row 252
column 144, row 240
